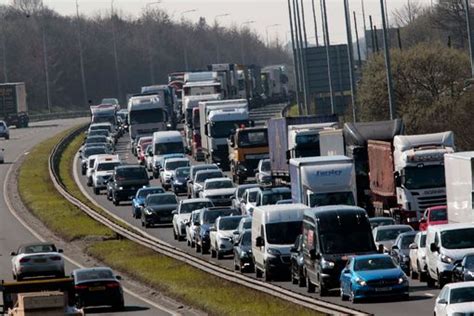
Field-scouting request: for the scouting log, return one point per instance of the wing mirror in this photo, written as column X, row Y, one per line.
column 413, row 246
column 118, row 277
column 434, row 248
column 442, row 301
column 175, row 212
column 313, row 255
column 12, row 253
column 259, row 242
column 60, row 251
column 293, row 249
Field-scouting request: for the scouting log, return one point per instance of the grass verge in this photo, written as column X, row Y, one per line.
column 173, row 278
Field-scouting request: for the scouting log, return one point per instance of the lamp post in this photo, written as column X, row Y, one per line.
column 114, row 37
column 218, row 53
column 150, row 47
column 242, row 54
column 266, row 31
column 81, row 56
column 45, row 57
column 186, row 40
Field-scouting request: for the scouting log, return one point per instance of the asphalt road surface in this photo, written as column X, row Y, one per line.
column 421, row 300
column 13, row 233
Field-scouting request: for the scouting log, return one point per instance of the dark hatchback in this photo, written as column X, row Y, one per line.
column 243, row 252
column 180, row 179
column 126, row 181
column 98, row 287
column 159, row 209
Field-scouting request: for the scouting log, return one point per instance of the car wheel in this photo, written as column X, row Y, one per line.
column 430, row 281
column 258, row 273
column 198, row 248
column 323, row 290
column 174, row 235
column 267, row 276
column 236, row 266
column 14, row 275
column 294, row 280
column 188, row 243
column 344, row 297
column 352, row 297
column 119, row 307
column 115, row 201
column 213, row 253
column 310, row 286
column 19, row 277
column 143, row 223
column 301, row 281
column 441, row 282
column 414, row 275
column 96, row 191
column 220, row 256
column 193, row 244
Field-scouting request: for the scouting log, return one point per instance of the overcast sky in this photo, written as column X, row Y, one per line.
column 263, row 12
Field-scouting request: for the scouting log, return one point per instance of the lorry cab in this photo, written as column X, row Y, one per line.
column 330, row 235
column 165, row 143
column 147, row 114
column 274, row 231
column 303, row 139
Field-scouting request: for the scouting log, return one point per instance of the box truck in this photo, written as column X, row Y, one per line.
column 459, row 186
column 14, row 109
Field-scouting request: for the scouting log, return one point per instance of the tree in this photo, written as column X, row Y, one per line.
column 28, row 7
column 428, row 83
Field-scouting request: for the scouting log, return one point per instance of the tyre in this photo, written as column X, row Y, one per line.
column 301, row 281
column 441, row 282
column 294, row 280
column 344, row 297
column 19, row 277
column 267, row 275
column 258, row 273
column 430, row 281
column 193, row 244
column 220, row 256
column 174, row 235
column 7, row 137
column 213, row 253
column 236, row 266
column 116, row 202
column 311, row 288
column 143, row 223
column 198, row 247
column 188, row 243
column 96, row 191
column 414, row 275
column 323, row 290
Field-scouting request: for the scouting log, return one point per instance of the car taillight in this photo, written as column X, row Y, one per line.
column 81, row 287
column 55, row 258
column 24, row 260
column 112, row 285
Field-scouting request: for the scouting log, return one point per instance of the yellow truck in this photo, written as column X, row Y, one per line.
column 247, row 146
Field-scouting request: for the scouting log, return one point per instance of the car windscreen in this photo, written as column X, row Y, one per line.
column 458, row 238
column 250, row 138
column 423, row 241
column 246, row 239
column 173, row 165
column 189, row 207
column 390, row 234
column 370, row 264
column 469, row 263
column 145, row 192
column 37, row 249
column 266, row 165
column 131, row 174
column 426, row 177
column 198, row 168
column 94, row 151
column 107, row 166
column 208, row 175
column 169, row 148
column 99, row 132
column 438, row 215
column 96, row 140
column 336, row 198
column 223, row 129
column 247, row 224
column 461, row 295
column 283, row 233
column 219, row 185
column 147, row 116
column 90, row 275
column 182, row 172
column 230, row 223
column 271, row 198
column 210, row 216
column 161, row 199
column 407, row 241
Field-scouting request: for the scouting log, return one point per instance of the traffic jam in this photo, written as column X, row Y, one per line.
column 354, row 210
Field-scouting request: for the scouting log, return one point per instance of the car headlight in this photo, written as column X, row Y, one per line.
column 177, row 183
column 470, row 273
column 120, row 188
column 148, row 212
column 273, row 252
column 243, row 254
column 402, row 280
column 361, row 282
column 327, row 264
column 446, row 259
column 185, row 221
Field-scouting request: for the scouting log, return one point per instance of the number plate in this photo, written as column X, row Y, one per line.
column 96, row 288
column 383, row 289
column 40, row 260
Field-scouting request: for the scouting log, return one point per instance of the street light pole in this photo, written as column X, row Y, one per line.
column 242, row 53
column 350, row 53
column 45, row 57
column 470, row 35
column 81, row 57
column 391, row 101
column 266, row 31
column 4, row 49
column 186, row 40
column 295, row 57
column 150, row 47
column 315, row 23
column 218, row 53
column 327, row 43
column 117, row 73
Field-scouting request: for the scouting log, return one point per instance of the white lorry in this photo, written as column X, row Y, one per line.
column 304, row 139
column 146, row 115
column 459, row 186
column 165, row 143
column 321, row 181
column 218, row 120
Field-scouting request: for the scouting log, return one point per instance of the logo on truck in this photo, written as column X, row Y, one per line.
column 328, row 173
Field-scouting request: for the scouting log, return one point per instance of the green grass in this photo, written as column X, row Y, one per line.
column 197, row 288
column 171, row 277
column 39, row 195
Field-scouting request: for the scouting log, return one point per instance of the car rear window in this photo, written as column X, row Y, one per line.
column 38, row 249
column 131, row 173
column 93, row 275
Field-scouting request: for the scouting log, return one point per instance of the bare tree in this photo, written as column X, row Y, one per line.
column 28, row 7
column 408, row 13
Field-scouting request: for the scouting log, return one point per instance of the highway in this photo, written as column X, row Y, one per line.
column 13, row 233
column 421, row 297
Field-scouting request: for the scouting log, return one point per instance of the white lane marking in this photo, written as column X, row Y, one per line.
column 429, row 294
column 75, row 263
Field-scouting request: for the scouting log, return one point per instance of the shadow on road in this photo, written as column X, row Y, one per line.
column 127, row 309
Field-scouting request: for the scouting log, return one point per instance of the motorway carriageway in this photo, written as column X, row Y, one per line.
column 14, row 233
column 421, row 301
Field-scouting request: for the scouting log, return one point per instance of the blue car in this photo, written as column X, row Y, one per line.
column 139, row 200
column 373, row 276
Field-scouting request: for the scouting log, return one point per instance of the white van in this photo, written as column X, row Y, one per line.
column 103, row 170
column 165, row 143
column 274, row 232
column 446, row 244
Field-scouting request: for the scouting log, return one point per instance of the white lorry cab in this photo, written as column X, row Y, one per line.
column 446, row 245
column 274, row 231
column 165, row 143
column 147, row 114
column 321, row 181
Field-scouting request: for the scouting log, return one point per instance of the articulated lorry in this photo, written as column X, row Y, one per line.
column 146, row 115
column 408, row 177
column 247, row 146
column 356, row 136
column 459, row 174
column 218, row 121
column 275, row 83
column 295, row 137
column 13, row 106
column 321, row 181
column 167, row 94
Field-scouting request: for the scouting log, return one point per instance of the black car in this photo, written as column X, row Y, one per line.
column 126, row 181
column 98, row 287
column 401, row 250
column 297, row 263
column 89, row 151
column 464, row 270
column 179, row 180
column 243, row 252
column 159, row 209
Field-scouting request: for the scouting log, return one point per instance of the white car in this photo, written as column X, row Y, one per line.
column 239, row 192
column 200, row 177
column 182, row 215
column 191, row 228
column 455, row 299
column 418, row 257
column 170, row 165
column 264, row 172
column 385, row 236
column 222, row 236
column 4, row 131
column 249, row 200
column 103, row 170
column 37, row 259
column 149, row 158
column 90, row 168
column 219, row 190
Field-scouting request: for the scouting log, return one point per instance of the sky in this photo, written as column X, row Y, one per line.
column 263, row 13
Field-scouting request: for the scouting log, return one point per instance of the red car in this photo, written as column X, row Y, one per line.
column 437, row 215
column 142, row 153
